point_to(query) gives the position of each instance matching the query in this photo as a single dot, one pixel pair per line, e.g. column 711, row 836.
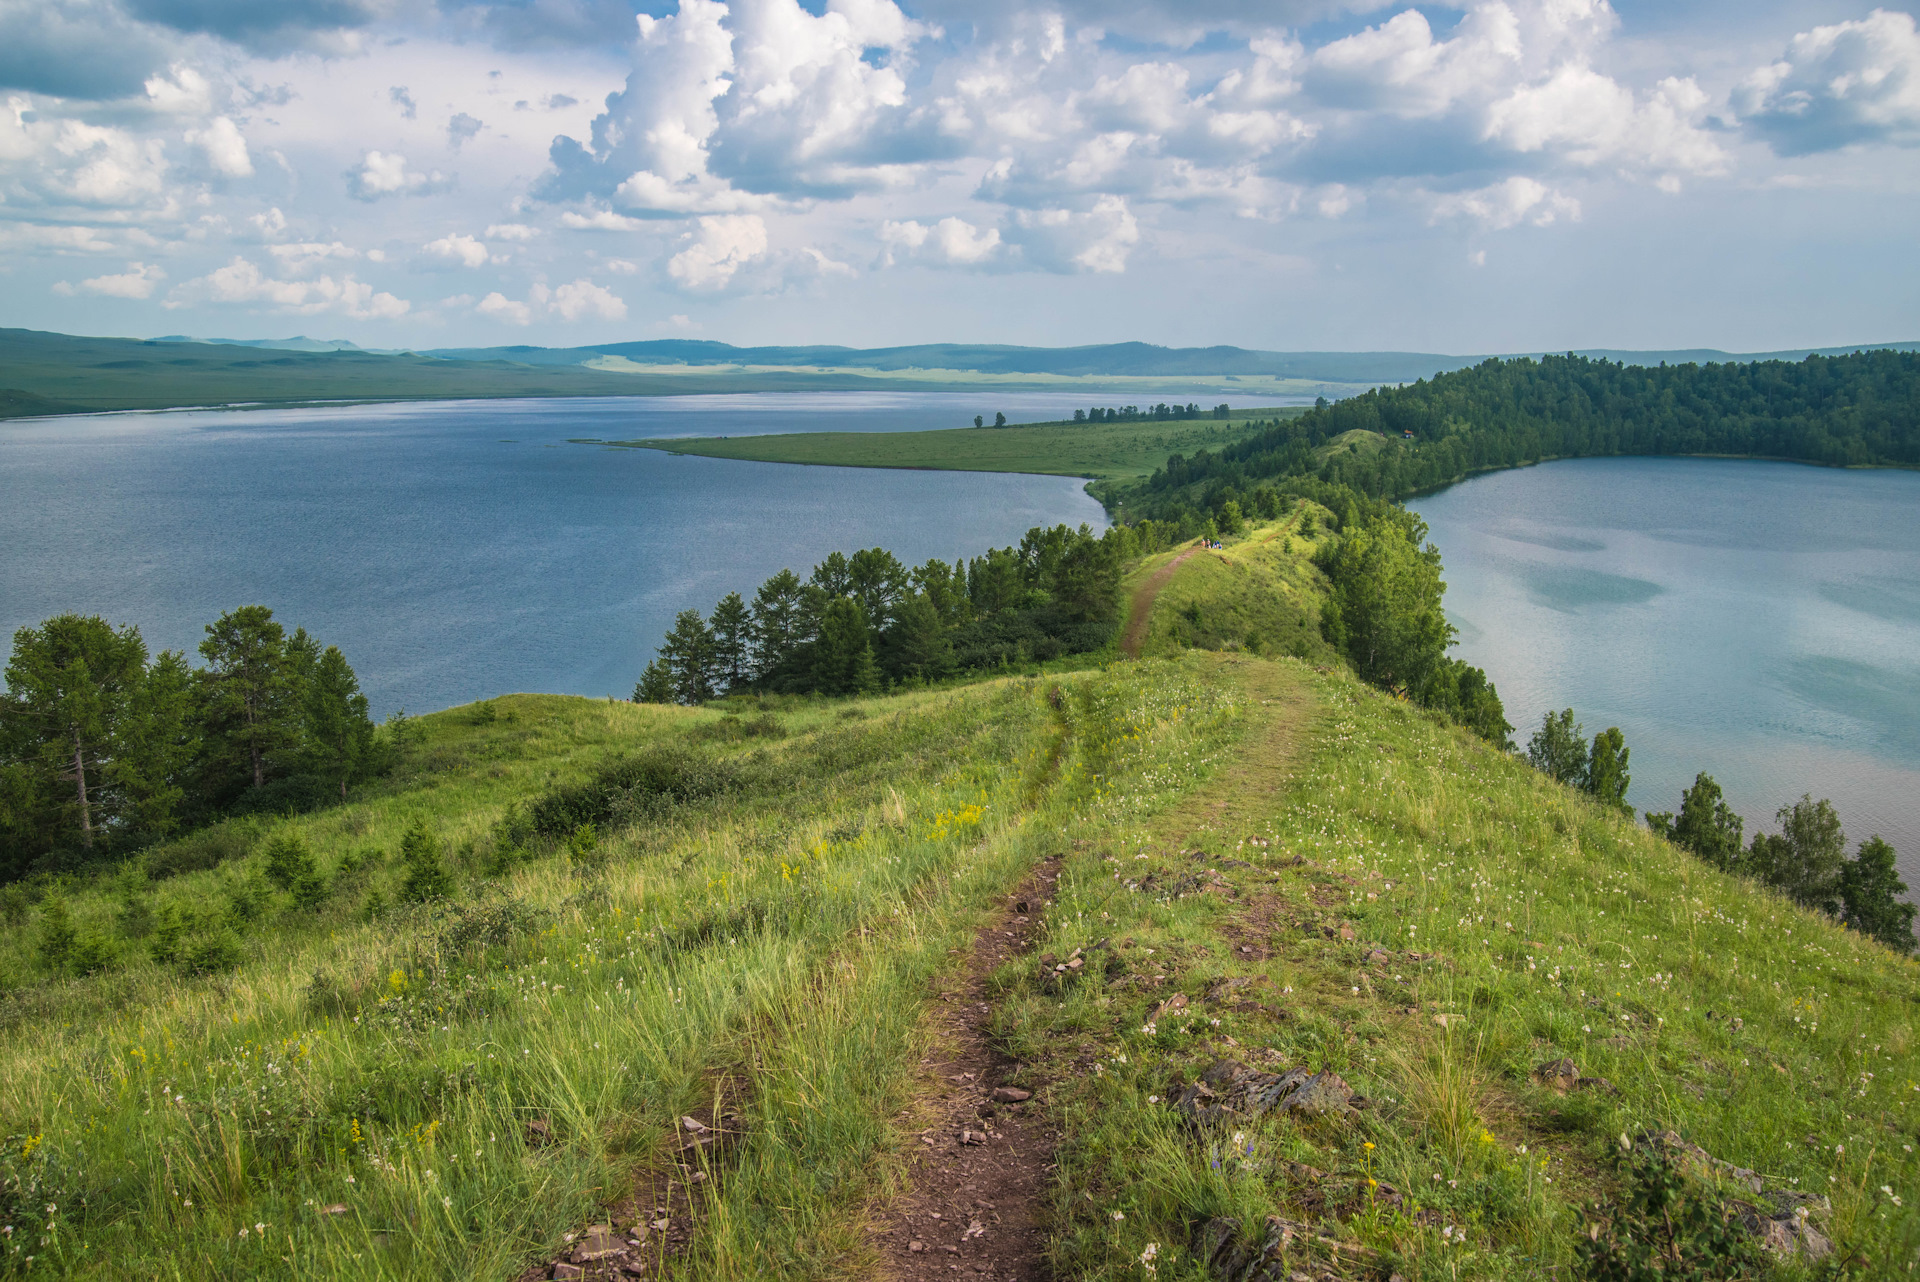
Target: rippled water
column 1759, row 621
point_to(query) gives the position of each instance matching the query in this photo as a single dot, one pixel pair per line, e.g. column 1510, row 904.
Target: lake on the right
column 1756, row 621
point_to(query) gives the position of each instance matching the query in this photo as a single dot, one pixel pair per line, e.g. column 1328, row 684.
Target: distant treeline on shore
column 1858, row 410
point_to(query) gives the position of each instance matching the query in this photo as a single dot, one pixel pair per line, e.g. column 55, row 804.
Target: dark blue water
column 1758, row 621
column 455, row 551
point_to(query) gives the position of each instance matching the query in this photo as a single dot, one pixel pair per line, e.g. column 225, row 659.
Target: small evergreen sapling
column 427, row 874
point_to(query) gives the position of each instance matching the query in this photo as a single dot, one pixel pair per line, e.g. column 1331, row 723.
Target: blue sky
column 1296, row 174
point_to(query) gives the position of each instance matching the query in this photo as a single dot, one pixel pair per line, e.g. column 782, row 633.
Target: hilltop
column 965, row 974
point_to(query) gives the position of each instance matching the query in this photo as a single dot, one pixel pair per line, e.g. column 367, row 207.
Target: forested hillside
column 1855, row 410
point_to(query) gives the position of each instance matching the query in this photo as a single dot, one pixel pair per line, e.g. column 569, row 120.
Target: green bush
column 427, row 874
column 208, row 848
column 631, row 788
column 1665, row 1227
column 214, row 952
column 57, row 933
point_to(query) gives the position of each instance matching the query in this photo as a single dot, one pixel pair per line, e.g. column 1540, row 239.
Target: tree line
column 1156, row 413
column 859, row 623
column 1806, row 860
column 106, row 748
column 1861, row 409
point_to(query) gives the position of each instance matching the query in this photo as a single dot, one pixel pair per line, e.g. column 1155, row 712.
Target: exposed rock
column 1010, row 1095
column 597, row 1243
column 1696, row 1161
column 693, row 1126
column 564, row 1270
column 1792, row 1224
column 1280, row 1255
column 1172, row 1006
column 972, row 1137
column 338, row 1208
column 1558, row 1075
column 1232, row 1091
column 634, row 1268
column 1596, row 1084
column 539, row 1132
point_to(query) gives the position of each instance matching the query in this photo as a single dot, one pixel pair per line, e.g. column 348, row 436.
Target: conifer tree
column 688, row 655
column 340, row 744
column 251, row 685
column 655, row 685
column 427, row 875
column 732, row 630
column 777, row 627
column 1706, row 825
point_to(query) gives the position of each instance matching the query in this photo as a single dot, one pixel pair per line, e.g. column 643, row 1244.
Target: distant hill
column 1132, row 360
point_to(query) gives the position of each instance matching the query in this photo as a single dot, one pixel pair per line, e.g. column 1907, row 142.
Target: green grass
column 781, row 944
column 1551, row 926
column 784, row 940
column 1105, row 451
column 1260, row 593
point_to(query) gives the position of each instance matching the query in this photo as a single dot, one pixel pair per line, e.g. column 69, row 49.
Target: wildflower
column 1119, row 1215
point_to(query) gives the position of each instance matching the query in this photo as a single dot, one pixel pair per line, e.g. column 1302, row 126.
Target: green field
column 1103, row 451
column 1260, row 860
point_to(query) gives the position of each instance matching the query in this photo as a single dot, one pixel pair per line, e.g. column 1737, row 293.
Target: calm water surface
column 455, row 551
column 1758, row 621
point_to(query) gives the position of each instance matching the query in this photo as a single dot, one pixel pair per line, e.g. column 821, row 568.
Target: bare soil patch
column 1141, row 615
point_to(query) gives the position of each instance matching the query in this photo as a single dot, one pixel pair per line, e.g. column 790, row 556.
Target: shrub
column 631, row 788
column 427, row 874
column 197, row 852
column 1665, row 1227
column 167, row 943
column 57, row 933
column 92, row 953
column 214, row 952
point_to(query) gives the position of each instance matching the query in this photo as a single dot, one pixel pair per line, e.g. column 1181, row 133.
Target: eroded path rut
column 1141, row 615
column 975, row 1206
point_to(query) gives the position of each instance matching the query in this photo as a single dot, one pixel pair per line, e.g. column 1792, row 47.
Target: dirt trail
column 979, row 1182
column 1135, row 634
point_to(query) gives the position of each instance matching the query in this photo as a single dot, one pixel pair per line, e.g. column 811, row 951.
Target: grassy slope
column 1260, row 593
column 1102, row 450
column 785, row 942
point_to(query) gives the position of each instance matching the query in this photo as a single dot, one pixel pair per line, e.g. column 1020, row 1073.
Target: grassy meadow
column 1263, row 860
column 1104, row 451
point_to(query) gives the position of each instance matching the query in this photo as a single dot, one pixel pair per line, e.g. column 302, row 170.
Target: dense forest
column 859, row 623
column 106, row 748
column 1861, row 409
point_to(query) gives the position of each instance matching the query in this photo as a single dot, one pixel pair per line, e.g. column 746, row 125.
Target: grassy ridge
column 1516, row 922
column 1108, row 451
column 1259, row 593
column 783, row 938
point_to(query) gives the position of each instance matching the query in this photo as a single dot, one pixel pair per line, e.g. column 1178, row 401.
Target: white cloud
column 1061, row 240
column 460, row 249
column 720, row 247
column 951, row 242
column 225, row 147
column 269, row 224
column 1852, row 82
column 307, row 255
column 600, row 220
column 181, row 91
column 382, row 174
column 138, row 281
column 512, row 231
column 498, row 306
column 581, row 299
column 241, row 281
column 1508, row 204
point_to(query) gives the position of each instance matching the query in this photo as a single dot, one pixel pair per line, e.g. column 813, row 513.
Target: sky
column 1507, row 175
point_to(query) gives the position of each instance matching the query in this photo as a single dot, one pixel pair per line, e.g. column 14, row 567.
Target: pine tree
column 732, row 630
column 917, row 646
column 250, row 680
column 843, row 660
column 688, row 655
column 339, row 736
column 72, row 688
column 777, row 630
column 1870, row 890
column 655, row 685
column 427, row 875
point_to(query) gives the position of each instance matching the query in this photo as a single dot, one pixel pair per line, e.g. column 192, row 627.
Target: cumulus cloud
column 279, row 27
column 1508, row 204
column 50, row 162
column 458, row 249
column 732, row 106
column 1062, row 240
column 719, row 247
column 951, row 242
column 381, row 174
column 1852, row 82
column 512, row 231
column 137, row 282
column 577, row 300
column 306, row 255
column 241, row 281
column 224, row 147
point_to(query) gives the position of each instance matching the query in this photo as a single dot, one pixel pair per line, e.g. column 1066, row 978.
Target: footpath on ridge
column 1134, row 635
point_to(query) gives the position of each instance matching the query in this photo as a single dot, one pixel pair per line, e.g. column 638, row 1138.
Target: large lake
column 459, row 550
column 1758, row 621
